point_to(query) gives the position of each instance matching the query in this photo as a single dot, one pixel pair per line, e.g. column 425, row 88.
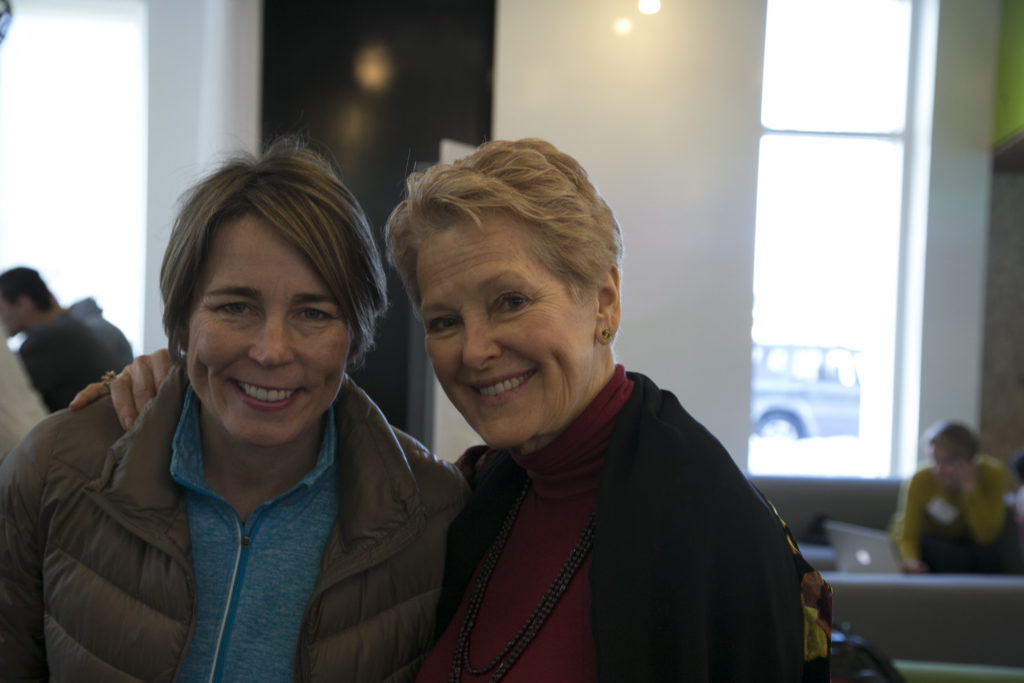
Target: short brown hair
column 576, row 234
column 297, row 192
column 956, row 438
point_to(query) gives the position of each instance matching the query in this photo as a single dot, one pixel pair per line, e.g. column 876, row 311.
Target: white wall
column 666, row 120
column 958, row 203
column 204, row 103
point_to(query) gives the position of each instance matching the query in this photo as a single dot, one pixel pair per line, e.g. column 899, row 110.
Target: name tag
column 942, row 510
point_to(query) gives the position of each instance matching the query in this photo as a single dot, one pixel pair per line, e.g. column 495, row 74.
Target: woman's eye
column 235, row 307
column 315, row 314
column 440, row 324
column 512, row 302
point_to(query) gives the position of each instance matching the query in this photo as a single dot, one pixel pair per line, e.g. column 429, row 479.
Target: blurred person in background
column 953, row 510
column 61, row 353
column 90, row 313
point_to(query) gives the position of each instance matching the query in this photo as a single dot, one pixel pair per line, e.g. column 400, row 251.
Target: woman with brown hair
column 260, row 520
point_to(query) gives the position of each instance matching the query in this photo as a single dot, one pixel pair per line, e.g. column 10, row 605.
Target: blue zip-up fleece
column 253, row 578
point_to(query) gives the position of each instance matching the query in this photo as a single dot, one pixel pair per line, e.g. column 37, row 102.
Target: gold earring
column 606, row 334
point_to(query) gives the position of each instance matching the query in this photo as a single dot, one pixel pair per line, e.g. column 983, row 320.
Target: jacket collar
column 380, row 507
column 379, row 499
column 135, row 486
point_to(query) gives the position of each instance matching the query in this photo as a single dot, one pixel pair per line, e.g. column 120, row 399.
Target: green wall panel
column 1010, row 88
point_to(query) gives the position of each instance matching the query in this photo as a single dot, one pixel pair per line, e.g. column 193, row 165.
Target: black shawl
column 694, row 577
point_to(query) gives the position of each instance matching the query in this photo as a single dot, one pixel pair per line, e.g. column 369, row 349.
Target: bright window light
column 72, row 151
column 828, row 212
column 828, row 229
column 836, row 65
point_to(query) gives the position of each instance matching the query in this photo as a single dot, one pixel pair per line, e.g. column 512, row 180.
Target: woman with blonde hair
column 609, row 536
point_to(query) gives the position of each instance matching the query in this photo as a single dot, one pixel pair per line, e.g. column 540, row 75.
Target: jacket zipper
column 243, row 541
column 227, row 605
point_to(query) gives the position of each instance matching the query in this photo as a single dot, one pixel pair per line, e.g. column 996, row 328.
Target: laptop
column 862, row 549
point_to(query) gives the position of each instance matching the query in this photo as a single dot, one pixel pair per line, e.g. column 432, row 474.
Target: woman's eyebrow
column 313, row 298
column 247, row 292
column 253, row 293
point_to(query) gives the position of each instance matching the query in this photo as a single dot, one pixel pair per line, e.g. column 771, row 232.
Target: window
column 828, row 227
column 72, row 151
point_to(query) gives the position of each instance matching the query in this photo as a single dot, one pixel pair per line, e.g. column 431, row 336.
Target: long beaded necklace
column 504, row 660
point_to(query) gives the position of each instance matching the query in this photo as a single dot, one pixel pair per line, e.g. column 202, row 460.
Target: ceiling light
column 648, row 6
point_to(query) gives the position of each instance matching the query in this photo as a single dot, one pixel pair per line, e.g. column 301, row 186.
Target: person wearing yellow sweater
column 952, row 511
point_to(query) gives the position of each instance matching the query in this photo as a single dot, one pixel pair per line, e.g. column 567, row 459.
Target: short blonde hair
column 576, row 235
column 297, row 192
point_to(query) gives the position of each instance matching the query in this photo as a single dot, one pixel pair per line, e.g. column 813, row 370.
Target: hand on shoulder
column 131, row 389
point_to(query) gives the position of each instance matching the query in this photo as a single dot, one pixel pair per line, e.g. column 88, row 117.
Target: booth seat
column 933, row 624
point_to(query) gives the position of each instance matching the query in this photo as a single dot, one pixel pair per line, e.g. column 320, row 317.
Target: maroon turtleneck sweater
column 565, row 475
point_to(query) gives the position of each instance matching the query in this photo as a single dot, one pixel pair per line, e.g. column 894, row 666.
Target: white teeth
column 268, row 395
column 504, row 385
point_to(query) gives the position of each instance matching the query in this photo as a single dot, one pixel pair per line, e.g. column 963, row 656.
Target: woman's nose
column 273, row 344
column 479, row 345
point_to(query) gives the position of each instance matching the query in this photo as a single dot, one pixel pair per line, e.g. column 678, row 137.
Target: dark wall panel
column 379, row 84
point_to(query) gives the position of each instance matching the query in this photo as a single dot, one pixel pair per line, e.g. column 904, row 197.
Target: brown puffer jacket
column 96, row 579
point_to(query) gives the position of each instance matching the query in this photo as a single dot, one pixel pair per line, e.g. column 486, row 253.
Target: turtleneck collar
column 571, row 464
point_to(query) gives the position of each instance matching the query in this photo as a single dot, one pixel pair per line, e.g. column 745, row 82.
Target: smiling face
column 266, row 342
column 516, row 353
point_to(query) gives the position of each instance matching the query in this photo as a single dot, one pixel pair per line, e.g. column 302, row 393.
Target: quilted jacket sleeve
column 22, row 651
